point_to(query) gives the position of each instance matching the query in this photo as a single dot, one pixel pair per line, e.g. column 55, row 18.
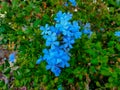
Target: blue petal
column 58, row 61
column 73, row 2
column 60, row 87
column 47, row 43
column 66, row 4
column 39, row 60
column 48, row 67
column 56, row 70
column 12, row 57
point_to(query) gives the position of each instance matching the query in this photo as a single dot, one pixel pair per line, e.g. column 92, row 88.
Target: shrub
column 94, row 59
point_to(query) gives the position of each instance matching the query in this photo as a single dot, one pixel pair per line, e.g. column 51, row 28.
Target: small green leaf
column 94, row 61
column 36, row 23
column 98, row 84
column 7, row 70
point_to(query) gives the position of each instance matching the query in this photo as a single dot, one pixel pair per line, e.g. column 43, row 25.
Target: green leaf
column 110, row 79
column 15, row 4
column 18, row 74
column 105, row 71
column 36, row 23
column 2, row 83
column 118, row 46
column 7, row 70
column 70, row 80
column 94, row 61
column 98, row 84
column 80, row 76
column 111, row 43
column 17, row 83
column 92, row 69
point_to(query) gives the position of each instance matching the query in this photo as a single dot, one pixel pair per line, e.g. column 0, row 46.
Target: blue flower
column 75, row 30
column 68, row 42
column 76, row 27
column 45, row 29
column 117, row 33
column 66, row 4
column 73, row 2
column 87, row 30
column 67, row 16
column 51, row 40
column 12, row 57
column 87, row 25
column 54, row 69
column 54, row 30
column 59, row 16
column 77, row 35
column 46, row 54
column 62, row 17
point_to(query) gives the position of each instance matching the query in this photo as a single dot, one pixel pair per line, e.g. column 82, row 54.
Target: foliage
column 94, row 61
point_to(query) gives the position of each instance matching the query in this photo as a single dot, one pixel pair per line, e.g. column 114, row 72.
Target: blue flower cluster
column 59, row 40
column 117, row 33
column 73, row 2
